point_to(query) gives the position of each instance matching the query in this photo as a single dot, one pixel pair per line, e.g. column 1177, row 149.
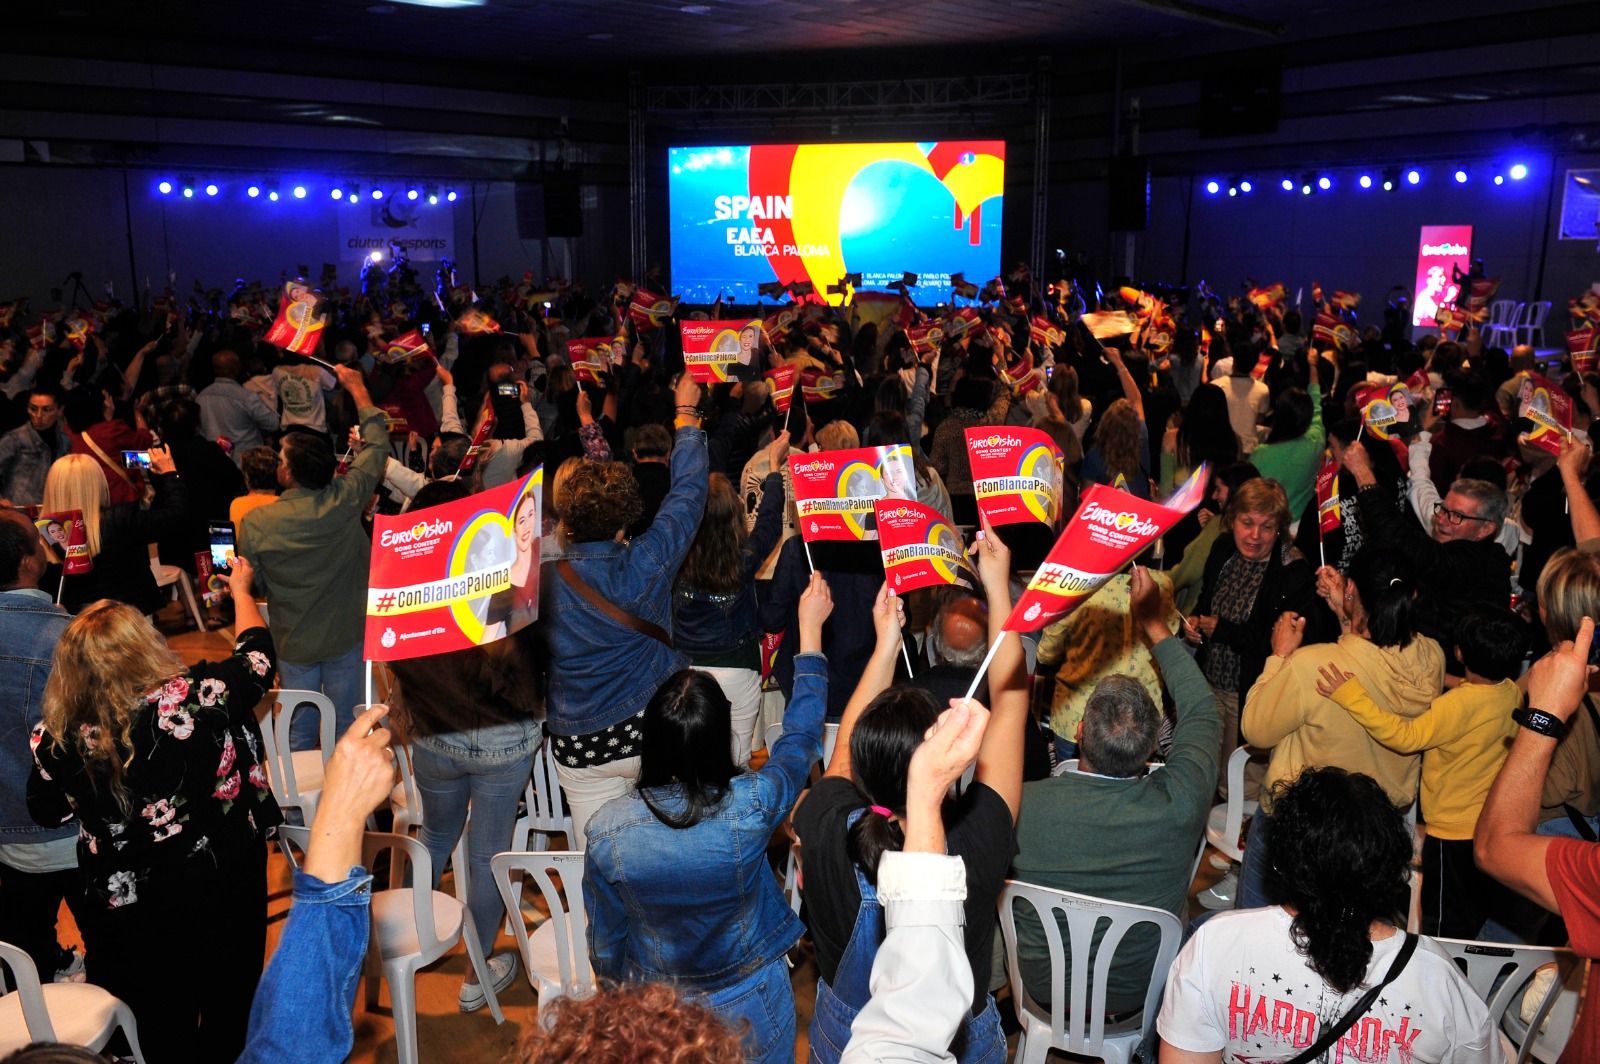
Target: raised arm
column 1505, row 844
column 1130, row 388
column 888, row 620
column 366, row 472
column 800, row 745
column 1000, row 758
column 1574, row 461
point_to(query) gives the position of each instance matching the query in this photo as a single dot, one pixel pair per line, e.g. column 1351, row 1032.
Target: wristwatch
column 1537, row 720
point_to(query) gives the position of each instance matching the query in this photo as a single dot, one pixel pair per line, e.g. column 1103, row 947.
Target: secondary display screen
column 745, row 215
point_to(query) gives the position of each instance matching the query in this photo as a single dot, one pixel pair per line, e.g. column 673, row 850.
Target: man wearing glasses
column 1460, row 564
column 27, row 450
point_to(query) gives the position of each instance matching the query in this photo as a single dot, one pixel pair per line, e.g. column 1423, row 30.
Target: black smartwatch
column 1537, row 720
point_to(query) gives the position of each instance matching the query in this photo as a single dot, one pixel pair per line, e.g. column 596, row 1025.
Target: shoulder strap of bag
column 1359, row 1009
column 107, row 462
column 569, row 575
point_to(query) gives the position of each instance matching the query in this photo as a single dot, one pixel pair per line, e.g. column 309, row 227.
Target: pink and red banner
column 1109, row 530
column 590, row 358
column 457, row 575
column 298, row 326
column 818, row 387
column 717, row 351
column 403, row 348
column 1441, row 249
column 782, row 380
column 1542, row 402
column 834, row 491
column 920, row 548
column 68, row 537
column 1329, row 516
column 1016, row 474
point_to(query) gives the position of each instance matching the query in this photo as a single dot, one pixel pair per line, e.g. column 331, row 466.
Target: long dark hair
column 1205, row 434
column 1338, row 856
column 715, row 559
column 1387, row 591
column 1291, row 416
column 888, row 732
column 688, row 741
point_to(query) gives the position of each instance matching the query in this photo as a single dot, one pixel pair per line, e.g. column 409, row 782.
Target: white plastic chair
column 1498, row 330
column 1530, row 325
column 296, row 776
column 1499, row 974
column 78, row 1014
column 546, row 809
column 1555, row 1014
column 1226, row 820
column 1085, row 1030
column 411, row 928
column 791, row 868
column 556, row 954
column 174, row 577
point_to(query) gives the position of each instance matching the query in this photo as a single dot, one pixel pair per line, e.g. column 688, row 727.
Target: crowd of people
column 1419, row 659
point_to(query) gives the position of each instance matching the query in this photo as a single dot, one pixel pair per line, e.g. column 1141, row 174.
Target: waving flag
column 1016, row 474
column 920, row 548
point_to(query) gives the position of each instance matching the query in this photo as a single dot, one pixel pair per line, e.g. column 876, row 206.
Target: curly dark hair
column 599, row 500
column 1337, row 856
column 636, row 1023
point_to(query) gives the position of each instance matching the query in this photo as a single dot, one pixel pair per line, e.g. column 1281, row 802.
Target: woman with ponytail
column 1375, row 604
column 856, row 814
column 1338, row 860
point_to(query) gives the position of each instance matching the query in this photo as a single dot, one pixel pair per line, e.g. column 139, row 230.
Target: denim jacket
column 699, row 906
column 25, row 458
column 600, row 672
column 30, row 624
column 307, row 995
column 705, row 623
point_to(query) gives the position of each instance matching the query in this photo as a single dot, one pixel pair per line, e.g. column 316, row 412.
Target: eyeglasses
column 1454, row 517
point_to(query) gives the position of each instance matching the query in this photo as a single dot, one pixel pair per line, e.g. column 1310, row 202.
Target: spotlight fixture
column 1305, row 190
column 272, row 191
column 211, row 188
column 187, row 184
column 164, row 187
column 253, row 191
column 376, row 256
column 1461, row 176
column 355, row 194
column 1233, row 190
column 1212, row 187
column 299, row 192
column 1288, row 184
column 1391, row 178
column 1324, row 182
column 432, row 193
column 1413, row 177
column 336, row 192
column 1365, row 180
column 1245, row 186
column 1307, row 183
column 450, row 196
column 1518, row 171
column 412, row 194
column 1499, row 179
column 377, row 193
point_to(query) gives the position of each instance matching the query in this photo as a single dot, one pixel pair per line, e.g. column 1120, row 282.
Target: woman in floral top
column 161, row 766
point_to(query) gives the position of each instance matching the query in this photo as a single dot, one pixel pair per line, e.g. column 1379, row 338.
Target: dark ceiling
column 702, row 41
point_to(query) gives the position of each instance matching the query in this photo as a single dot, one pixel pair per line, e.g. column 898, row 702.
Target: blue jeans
column 488, row 768
column 1252, row 892
column 765, row 1002
column 340, row 678
column 1560, row 827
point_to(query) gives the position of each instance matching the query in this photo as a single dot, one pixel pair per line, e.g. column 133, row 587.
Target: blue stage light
column 1461, row 177
column 336, row 192
column 1245, row 186
column 299, row 192
column 253, row 191
column 1518, row 171
column 1288, row 184
column 212, row 189
column 412, row 194
column 1413, row 177
column 1212, row 187
column 1499, row 179
column 451, row 195
column 164, row 187
column 377, row 193
column 1365, row 181
column 1324, row 183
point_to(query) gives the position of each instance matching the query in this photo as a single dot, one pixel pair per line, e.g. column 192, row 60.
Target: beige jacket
column 1284, row 712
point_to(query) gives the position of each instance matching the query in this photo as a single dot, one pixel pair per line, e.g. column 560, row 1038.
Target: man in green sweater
column 1112, row 829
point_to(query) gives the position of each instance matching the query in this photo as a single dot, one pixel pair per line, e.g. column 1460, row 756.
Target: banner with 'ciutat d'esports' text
column 457, row 575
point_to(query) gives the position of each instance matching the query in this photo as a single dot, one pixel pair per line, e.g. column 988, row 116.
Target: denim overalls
column 979, row 1041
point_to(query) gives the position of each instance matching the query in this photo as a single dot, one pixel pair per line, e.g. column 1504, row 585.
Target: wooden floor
column 443, row 1032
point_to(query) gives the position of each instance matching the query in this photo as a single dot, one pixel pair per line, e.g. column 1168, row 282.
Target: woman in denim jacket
column 676, row 881
column 602, row 668
column 714, row 614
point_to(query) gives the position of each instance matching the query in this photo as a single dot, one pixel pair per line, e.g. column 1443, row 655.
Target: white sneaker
column 502, row 969
column 1220, row 862
column 1221, row 894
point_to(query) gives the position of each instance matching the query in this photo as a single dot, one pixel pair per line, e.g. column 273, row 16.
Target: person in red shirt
column 1561, row 874
column 96, row 431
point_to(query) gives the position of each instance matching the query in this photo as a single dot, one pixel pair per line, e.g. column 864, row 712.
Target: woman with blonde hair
column 714, row 613
column 1567, row 592
column 119, row 535
column 160, row 764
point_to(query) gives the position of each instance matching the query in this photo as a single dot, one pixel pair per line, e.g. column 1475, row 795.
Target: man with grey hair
column 956, row 642
column 1112, row 828
column 1460, row 565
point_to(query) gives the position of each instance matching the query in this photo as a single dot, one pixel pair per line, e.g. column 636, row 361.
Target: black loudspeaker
column 552, row 207
column 1245, row 98
column 563, row 207
column 1129, row 203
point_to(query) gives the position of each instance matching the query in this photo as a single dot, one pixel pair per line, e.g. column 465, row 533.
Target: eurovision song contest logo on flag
column 1109, row 529
column 919, row 547
column 718, row 351
column 834, row 491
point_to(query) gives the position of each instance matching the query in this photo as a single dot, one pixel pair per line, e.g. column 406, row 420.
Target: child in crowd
column 1463, row 736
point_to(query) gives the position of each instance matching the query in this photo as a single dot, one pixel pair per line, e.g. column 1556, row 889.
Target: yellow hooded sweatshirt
column 1284, row 712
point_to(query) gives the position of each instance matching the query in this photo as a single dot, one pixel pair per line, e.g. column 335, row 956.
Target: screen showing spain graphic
column 746, row 215
column 1440, row 249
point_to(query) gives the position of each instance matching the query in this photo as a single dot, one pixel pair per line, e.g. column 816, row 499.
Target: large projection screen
column 748, row 214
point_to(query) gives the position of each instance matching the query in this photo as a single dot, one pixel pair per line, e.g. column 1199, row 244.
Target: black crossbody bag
column 1359, row 1009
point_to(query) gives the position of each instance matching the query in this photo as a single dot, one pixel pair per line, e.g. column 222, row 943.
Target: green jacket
column 311, row 555
column 1130, row 840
